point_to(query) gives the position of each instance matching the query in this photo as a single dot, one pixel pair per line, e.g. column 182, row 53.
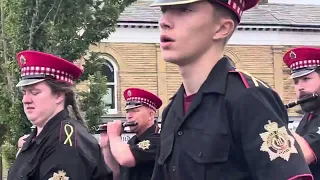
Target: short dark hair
column 222, row 11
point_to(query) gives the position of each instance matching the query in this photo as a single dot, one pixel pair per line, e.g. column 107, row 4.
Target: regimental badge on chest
column 144, row 144
column 277, row 142
column 61, row 175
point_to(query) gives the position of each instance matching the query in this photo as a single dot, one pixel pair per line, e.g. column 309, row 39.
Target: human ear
column 224, row 29
column 60, row 97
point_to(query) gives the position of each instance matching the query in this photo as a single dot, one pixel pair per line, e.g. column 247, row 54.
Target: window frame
column 114, row 83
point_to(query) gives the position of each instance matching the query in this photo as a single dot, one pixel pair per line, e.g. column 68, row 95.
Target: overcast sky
column 316, row 2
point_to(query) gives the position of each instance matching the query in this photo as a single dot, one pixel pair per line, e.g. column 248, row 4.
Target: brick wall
column 141, row 65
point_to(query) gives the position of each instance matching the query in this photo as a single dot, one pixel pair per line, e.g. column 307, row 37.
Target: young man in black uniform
column 137, row 157
column 60, row 147
column 222, row 124
column 304, row 63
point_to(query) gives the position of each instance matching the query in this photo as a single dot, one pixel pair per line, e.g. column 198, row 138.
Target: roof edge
column 241, row 27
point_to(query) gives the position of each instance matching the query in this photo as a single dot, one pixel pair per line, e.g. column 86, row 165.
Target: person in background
column 133, row 160
column 304, row 63
column 60, row 147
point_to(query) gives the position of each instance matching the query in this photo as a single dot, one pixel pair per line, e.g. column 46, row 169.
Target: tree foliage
column 91, row 103
column 65, row 28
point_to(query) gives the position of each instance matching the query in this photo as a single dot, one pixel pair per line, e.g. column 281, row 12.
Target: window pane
column 108, row 71
column 109, row 97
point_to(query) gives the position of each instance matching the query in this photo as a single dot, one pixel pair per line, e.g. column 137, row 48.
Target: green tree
column 91, row 102
column 62, row 27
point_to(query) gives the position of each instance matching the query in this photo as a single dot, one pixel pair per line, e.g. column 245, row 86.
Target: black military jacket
column 309, row 129
column 230, row 132
column 63, row 150
column 144, row 149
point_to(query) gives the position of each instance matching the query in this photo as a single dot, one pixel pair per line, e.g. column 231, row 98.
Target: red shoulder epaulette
column 248, row 79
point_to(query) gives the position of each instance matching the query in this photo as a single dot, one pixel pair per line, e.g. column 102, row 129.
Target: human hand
column 104, row 139
column 114, row 128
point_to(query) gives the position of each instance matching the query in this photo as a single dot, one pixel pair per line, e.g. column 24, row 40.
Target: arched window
column 110, row 70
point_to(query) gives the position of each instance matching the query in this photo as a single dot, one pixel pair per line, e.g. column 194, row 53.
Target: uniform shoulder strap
column 248, row 79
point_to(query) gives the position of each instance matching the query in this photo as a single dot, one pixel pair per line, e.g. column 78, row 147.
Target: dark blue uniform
column 63, row 150
column 234, row 129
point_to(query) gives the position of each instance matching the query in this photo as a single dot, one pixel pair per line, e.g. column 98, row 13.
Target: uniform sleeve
column 146, row 150
column 65, row 162
column 102, row 170
column 269, row 147
column 313, row 139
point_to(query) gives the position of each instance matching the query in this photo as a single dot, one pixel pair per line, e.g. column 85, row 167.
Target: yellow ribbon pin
column 68, row 133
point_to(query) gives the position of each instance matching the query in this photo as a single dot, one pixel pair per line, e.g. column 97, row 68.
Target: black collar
column 217, row 79
column 314, row 114
column 51, row 124
column 149, row 131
